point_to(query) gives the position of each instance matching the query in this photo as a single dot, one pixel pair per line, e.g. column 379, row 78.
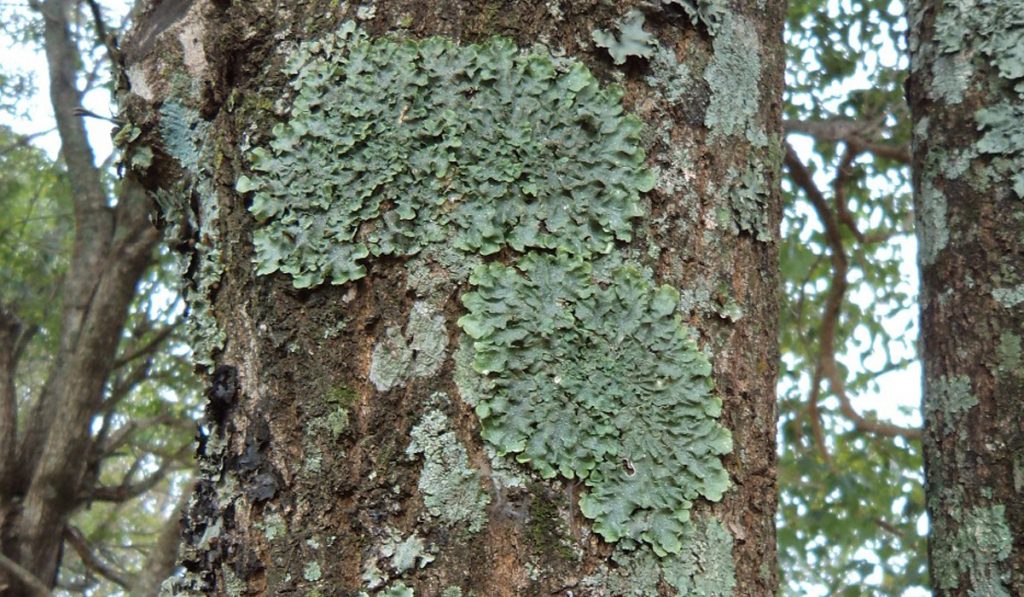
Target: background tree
column 967, row 95
column 95, row 408
column 341, row 450
column 851, row 496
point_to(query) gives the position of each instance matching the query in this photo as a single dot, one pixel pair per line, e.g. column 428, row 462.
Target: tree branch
column 33, row 584
column 827, row 368
column 92, row 560
column 858, row 134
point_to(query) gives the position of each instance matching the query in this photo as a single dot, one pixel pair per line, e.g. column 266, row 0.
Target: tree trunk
column 966, row 92
column 481, row 316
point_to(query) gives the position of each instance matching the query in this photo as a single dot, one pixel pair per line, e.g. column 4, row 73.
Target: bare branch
column 827, row 367
column 126, row 491
column 91, row 559
column 150, row 347
column 858, row 134
column 33, row 584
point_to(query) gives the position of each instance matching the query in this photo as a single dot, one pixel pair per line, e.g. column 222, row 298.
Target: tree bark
column 342, row 450
column 966, row 90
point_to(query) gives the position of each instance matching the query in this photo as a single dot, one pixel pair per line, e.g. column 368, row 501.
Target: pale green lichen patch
column 185, row 137
column 1010, row 296
column 749, row 196
column 708, row 12
column 405, row 554
column 992, row 30
column 449, row 485
column 933, row 232
column 951, row 74
column 392, row 144
column 949, row 400
column 601, row 383
column 734, row 76
column 630, row 40
column 1003, row 125
column 418, row 352
column 1009, row 353
column 311, row 572
column 703, row 567
column 671, row 78
column 982, row 542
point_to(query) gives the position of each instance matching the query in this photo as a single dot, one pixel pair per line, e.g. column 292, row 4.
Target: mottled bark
column 966, row 93
column 336, row 443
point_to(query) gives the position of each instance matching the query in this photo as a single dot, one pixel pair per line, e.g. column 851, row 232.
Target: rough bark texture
column 338, row 455
column 966, row 92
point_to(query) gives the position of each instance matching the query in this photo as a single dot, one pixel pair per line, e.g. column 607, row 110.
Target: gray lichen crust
column 601, row 383
column 391, row 144
column 450, row 486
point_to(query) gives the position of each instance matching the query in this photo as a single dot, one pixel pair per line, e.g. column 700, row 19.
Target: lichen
column 671, row 78
column 185, row 137
column 749, row 196
column 418, row 352
column 392, row 144
column 1009, row 296
column 991, row 30
column 600, row 383
column 950, row 77
column 632, row 39
column 949, row 399
column 703, row 567
column 1009, row 353
column 1003, row 125
column 734, row 76
column 981, row 543
column 311, row 572
column 405, row 554
column 708, row 12
column 933, row 232
column 450, row 486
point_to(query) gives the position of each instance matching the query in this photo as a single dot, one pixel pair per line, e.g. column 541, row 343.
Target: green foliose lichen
column 749, row 195
column 392, row 144
column 601, row 383
column 185, row 138
column 734, row 76
column 632, row 39
column 708, row 12
column 976, row 552
column 405, row 554
column 1003, row 126
column 994, row 31
column 450, row 486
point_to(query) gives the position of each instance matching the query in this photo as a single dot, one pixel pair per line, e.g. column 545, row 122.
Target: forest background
column 851, row 517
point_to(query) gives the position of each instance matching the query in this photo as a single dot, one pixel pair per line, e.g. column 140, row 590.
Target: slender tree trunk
column 113, row 246
column 967, row 97
column 479, row 320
